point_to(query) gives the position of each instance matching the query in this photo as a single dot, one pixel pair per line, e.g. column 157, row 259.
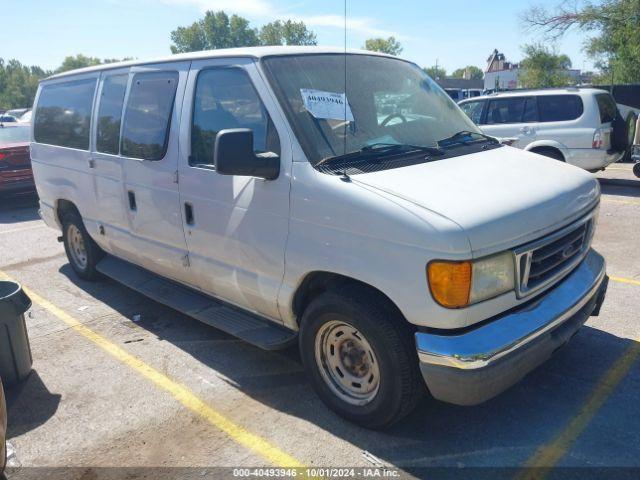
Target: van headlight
column 459, row 284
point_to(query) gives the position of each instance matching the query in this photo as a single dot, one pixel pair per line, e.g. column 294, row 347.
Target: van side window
column 63, row 114
column 505, row 110
column 225, row 98
column 559, row 108
column 147, row 118
column 110, row 113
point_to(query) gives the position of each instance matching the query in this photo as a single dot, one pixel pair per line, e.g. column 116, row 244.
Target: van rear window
column 63, row 114
column 147, row 118
column 607, row 106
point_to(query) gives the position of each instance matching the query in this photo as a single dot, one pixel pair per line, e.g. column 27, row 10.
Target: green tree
column 18, row 84
column 384, row 45
column 615, row 27
column 72, row 62
column 287, row 33
column 218, row 30
column 473, row 72
column 215, row 30
column 435, row 72
column 543, row 67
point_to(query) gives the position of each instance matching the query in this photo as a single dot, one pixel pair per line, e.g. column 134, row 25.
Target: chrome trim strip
column 522, row 277
column 484, row 345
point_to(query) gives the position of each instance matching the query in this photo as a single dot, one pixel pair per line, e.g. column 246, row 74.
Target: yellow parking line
column 625, row 280
column 619, row 168
column 547, row 456
column 181, row 393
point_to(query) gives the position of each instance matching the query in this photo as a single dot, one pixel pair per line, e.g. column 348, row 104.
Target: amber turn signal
column 450, row 283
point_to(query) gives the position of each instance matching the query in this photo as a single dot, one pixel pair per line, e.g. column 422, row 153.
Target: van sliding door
column 149, row 153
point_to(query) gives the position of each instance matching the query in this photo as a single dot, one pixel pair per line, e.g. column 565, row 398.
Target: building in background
column 500, row 74
column 503, row 75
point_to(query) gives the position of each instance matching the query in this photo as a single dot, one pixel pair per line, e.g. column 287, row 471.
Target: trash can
column 15, row 352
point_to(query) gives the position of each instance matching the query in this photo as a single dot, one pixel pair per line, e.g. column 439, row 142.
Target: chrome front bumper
column 471, row 367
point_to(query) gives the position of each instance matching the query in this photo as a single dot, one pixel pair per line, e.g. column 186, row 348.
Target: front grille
column 545, row 261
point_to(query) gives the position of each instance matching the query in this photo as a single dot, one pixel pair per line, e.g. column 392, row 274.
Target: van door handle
column 526, row 130
column 132, row 201
column 188, row 214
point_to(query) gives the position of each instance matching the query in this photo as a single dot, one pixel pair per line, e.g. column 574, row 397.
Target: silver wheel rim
column 76, row 247
column 347, row 362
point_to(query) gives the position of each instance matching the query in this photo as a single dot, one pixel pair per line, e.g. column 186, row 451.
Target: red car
column 15, row 163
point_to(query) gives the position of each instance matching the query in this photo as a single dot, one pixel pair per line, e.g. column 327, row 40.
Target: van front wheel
column 83, row 253
column 360, row 357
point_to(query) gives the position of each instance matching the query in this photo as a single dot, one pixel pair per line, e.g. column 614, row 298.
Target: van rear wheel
column 83, row 253
column 360, row 356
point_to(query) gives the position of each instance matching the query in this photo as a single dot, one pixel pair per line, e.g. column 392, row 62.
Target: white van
column 575, row 125
column 251, row 190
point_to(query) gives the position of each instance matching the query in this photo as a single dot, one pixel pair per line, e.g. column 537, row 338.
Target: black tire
column 86, row 270
column 550, row 152
column 636, row 170
column 400, row 385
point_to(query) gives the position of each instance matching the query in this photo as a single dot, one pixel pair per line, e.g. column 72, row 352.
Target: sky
column 452, row 33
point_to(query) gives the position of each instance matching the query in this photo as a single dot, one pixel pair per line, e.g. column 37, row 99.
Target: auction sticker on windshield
column 326, row 105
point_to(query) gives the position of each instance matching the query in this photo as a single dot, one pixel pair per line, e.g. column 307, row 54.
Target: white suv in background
column 579, row 126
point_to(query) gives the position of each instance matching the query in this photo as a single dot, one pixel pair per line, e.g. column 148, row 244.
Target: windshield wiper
column 381, row 150
column 457, row 138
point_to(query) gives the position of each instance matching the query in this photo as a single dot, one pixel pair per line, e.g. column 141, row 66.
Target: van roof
column 540, row 92
column 252, row 52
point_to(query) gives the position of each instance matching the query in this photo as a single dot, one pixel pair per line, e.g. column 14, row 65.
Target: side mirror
column 233, row 155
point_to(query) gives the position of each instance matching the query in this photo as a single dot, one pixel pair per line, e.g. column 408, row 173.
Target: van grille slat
column 557, row 246
column 547, row 260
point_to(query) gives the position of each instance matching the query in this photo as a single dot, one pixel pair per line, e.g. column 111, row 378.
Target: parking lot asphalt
column 167, row 391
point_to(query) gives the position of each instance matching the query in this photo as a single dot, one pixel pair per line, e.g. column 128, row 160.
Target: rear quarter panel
column 63, row 173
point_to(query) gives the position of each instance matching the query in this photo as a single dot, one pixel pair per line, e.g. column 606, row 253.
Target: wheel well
column 64, row 206
column 316, row 283
column 554, row 150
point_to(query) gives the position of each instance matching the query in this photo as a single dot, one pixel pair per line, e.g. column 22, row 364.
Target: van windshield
column 386, row 102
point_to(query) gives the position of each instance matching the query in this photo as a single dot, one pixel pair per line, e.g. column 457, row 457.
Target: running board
column 246, row 326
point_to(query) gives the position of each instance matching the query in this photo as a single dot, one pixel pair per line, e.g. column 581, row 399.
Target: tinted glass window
column 225, row 98
column 607, row 106
column 110, row 113
column 505, row 110
column 530, row 111
column 147, row 118
column 558, row 108
column 473, row 111
column 63, row 114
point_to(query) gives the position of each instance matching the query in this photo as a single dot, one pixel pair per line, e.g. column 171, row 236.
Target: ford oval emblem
column 568, row 251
